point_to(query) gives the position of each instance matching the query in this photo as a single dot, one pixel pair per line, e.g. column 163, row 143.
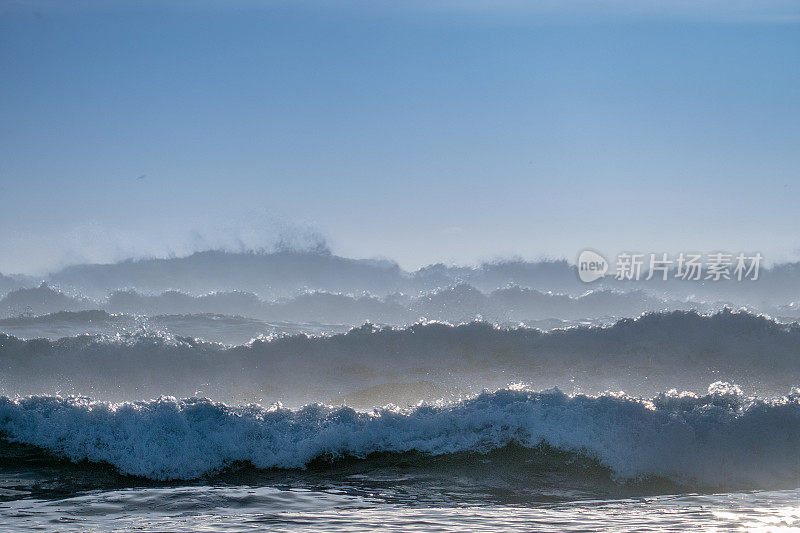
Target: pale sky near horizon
column 416, row 131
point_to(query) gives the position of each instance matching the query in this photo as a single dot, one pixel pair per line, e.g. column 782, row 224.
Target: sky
column 416, row 131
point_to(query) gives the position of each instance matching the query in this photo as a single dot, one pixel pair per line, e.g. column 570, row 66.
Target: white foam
column 722, row 438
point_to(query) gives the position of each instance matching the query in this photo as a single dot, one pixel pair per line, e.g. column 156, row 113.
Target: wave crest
column 719, row 439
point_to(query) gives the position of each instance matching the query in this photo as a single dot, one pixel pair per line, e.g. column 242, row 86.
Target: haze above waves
column 186, row 326
column 284, row 273
column 99, row 362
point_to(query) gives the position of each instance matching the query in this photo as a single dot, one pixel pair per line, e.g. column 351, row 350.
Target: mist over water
column 370, row 366
column 299, row 327
column 511, row 383
column 350, row 266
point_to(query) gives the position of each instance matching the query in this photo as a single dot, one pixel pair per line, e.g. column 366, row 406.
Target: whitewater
column 715, row 440
column 492, row 405
column 511, row 460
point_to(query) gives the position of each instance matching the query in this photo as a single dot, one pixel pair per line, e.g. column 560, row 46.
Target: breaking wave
column 720, row 439
column 656, row 352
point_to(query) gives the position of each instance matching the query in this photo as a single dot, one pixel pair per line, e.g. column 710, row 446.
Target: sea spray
column 719, row 439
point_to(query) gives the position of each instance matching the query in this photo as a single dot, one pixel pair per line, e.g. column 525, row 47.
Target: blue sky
column 422, row 132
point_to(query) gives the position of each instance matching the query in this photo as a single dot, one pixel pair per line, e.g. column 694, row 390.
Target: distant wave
column 724, row 337
column 226, row 329
column 456, row 304
column 283, row 273
column 654, row 352
column 719, row 439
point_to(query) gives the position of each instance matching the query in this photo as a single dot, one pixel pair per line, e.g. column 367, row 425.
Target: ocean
column 510, row 460
column 205, row 420
column 399, row 265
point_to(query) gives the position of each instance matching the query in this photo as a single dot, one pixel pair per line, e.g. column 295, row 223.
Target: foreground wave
column 719, row 439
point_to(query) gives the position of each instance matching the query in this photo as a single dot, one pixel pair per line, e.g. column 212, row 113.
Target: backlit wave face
column 719, row 439
column 371, row 366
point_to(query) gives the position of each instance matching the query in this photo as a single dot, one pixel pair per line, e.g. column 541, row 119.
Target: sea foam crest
column 722, row 438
